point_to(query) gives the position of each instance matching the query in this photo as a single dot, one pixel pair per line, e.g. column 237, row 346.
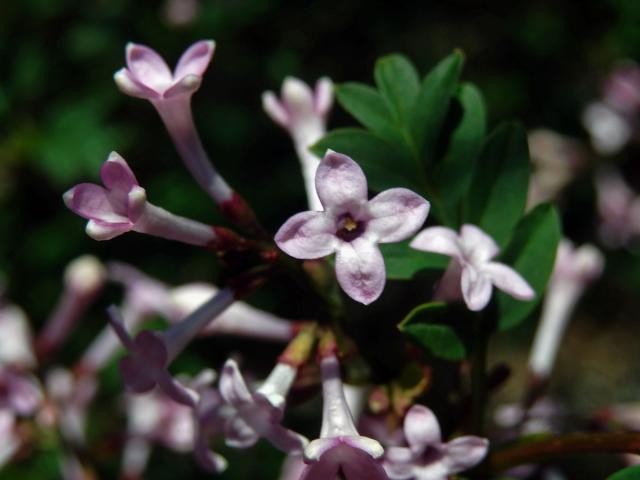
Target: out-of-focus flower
column 471, row 274
column 83, row 279
column 428, row 457
column 618, row 208
column 16, row 346
column 544, row 416
column 20, row 392
column 609, row 130
column 292, row 468
column 622, row 89
column 181, row 13
column 121, row 206
column 340, row 449
column 574, row 270
column 9, row 439
column 150, row 353
column 303, row 113
column 555, row 158
column 352, row 226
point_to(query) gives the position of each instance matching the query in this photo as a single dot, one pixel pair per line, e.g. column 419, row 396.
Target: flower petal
column 185, row 86
column 308, row 235
column 92, row 202
column 360, row 270
column 340, row 181
column 175, row 390
column 321, row 470
column 195, row 59
column 297, row 97
column 323, row 96
column 398, row 463
column 284, row 439
column 149, row 345
column 147, row 67
column 357, row 465
column 476, row 244
column 508, row 280
column 232, row 385
column 239, row 433
column 135, row 377
column 106, row 231
column 274, row 108
column 397, row 214
column 421, row 428
column 464, row 452
column 129, row 85
column 440, row 240
column 117, row 175
column 476, row 288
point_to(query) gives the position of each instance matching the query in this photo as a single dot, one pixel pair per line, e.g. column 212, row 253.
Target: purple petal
column 147, row 67
column 508, row 280
column 397, row 214
column 175, row 390
column 440, row 240
column 151, row 348
column 476, row 288
column 274, row 108
column 284, row 439
column 92, row 202
column 340, row 181
column 360, row 270
column 358, row 465
column 129, row 85
column 195, row 60
column 185, row 86
column 239, row 433
column 233, row 387
column 476, row 243
column 464, row 452
column 421, row 428
column 398, row 463
column 297, row 97
column 135, row 377
column 208, row 459
column 308, row 235
column 323, row 96
column 117, row 176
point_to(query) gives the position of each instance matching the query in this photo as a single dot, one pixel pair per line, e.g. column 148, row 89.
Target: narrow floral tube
column 83, row 278
column 574, row 270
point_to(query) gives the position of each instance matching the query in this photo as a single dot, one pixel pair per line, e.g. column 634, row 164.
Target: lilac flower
column 83, row 278
column 352, row 226
column 428, row 457
column 20, row 392
column 9, row 438
column 303, row 113
column 618, row 208
column 610, row 130
column 340, row 450
column 148, row 76
column 471, row 272
column 621, row 89
column 211, row 416
column 150, row 353
column 16, row 345
column 574, row 270
column 259, row 414
column 121, row 206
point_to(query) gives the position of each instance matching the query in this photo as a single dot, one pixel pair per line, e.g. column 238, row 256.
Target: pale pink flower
column 259, row 414
column 352, row 226
column 575, row 269
column 621, row 89
column 9, row 438
column 618, row 208
column 340, row 452
column 427, row 457
column 609, row 129
column 472, row 271
column 121, row 206
column 16, row 344
column 303, row 113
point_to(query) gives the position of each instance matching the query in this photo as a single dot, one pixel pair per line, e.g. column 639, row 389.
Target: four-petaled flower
column 472, row 270
column 352, row 226
column 148, row 76
column 428, row 457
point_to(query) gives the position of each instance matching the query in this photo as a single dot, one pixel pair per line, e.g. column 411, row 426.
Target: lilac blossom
column 352, row 226
column 121, row 206
column 147, row 76
column 83, row 279
column 303, row 113
column 618, row 208
column 150, row 353
column 340, row 450
column 259, row 414
column 211, row 417
column 9, row 438
column 575, row 269
column 471, row 274
column 16, row 344
column 427, row 457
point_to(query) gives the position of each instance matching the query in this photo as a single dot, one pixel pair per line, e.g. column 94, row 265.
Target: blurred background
column 541, row 62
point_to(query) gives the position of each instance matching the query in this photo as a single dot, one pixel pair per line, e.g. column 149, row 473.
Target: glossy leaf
column 423, row 325
column 398, row 82
column 432, row 102
column 498, row 192
column 532, row 252
column 403, row 262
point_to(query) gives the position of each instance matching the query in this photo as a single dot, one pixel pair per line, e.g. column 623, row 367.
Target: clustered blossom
column 472, row 273
column 351, row 226
column 303, row 113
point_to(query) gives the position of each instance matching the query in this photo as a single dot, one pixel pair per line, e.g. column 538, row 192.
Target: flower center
column 348, row 228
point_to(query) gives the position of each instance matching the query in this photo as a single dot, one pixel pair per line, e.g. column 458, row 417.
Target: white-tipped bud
column 85, row 275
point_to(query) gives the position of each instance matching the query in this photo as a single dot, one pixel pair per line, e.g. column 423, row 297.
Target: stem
column 478, row 376
column 570, row 444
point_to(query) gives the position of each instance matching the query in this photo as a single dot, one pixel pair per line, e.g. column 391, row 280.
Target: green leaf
column 498, row 193
column 432, row 102
column 385, row 165
column 531, row 252
column 403, row 262
column 369, row 108
column 398, row 82
column 629, row 473
column 452, row 175
column 422, row 326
